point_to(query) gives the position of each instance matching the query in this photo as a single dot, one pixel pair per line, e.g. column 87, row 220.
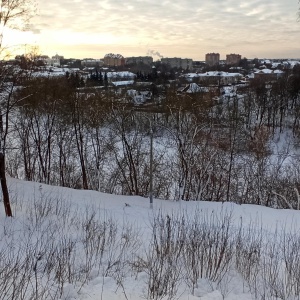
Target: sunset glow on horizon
column 187, row 29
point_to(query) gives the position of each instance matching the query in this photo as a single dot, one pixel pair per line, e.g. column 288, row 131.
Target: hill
column 74, row 244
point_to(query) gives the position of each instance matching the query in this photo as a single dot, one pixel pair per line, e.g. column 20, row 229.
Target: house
column 192, row 88
column 268, row 74
column 139, row 97
column 214, row 77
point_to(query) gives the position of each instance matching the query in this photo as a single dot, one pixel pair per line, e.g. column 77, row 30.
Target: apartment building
column 147, row 60
column 176, row 62
column 233, row 59
column 212, row 59
column 114, row 60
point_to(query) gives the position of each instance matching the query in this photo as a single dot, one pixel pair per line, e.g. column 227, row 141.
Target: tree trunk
column 4, row 187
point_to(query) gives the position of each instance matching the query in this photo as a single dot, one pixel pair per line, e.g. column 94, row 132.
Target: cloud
column 211, row 23
column 32, row 28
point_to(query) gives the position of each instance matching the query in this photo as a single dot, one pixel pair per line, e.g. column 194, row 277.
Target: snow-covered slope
column 71, row 225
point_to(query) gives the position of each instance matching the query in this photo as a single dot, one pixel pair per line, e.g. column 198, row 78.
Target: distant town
column 186, row 64
column 184, row 74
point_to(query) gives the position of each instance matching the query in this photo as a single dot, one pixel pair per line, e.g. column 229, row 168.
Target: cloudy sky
column 181, row 28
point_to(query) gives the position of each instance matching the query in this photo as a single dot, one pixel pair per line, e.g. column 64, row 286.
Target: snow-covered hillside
column 75, row 244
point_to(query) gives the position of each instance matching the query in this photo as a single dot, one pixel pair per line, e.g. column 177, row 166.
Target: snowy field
column 73, row 244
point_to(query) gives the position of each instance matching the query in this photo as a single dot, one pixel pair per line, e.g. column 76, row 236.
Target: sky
column 163, row 28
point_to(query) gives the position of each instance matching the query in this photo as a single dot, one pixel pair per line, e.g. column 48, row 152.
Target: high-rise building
column 115, row 60
column 175, row 62
column 233, row 59
column 212, row 59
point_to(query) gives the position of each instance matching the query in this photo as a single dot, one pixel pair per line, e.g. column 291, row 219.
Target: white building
column 55, row 60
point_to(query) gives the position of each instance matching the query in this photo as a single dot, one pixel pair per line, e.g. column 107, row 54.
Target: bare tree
column 78, row 122
column 13, row 14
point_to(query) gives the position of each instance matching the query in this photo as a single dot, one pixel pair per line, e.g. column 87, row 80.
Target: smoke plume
column 154, row 53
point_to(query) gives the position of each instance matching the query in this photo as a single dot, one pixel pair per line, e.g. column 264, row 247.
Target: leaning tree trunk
column 3, row 134
column 4, row 187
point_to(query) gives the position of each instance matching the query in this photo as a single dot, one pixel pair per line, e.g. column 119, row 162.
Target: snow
column 291, row 63
column 229, row 91
column 269, row 71
column 134, row 212
column 122, row 83
column 139, row 97
column 193, row 88
column 54, row 72
column 212, row 74
column 122, row 74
